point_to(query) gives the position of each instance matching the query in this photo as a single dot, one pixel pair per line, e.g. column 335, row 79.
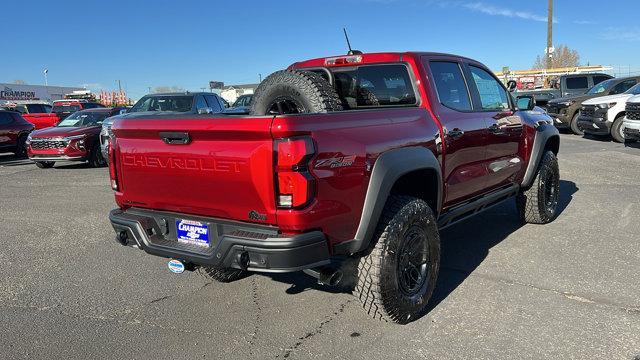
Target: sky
column 187, row 43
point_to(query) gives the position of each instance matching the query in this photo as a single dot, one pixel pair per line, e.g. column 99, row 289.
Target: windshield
column 163, row 103
column 82, row 118
column 602, row 87
column 65, row 108
column 635, row 90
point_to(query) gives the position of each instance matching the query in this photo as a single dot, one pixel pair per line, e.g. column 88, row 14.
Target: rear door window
column 375, row 86
column 450, row 85
column 490, row 91
column 574, row 83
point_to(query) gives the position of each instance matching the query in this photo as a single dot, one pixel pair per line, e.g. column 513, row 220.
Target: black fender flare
column 388, row 168
column 543, row 134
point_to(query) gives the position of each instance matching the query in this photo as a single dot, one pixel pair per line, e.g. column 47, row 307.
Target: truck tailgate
column 224, row 169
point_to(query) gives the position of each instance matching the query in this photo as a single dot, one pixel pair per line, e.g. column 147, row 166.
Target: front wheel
column 396, row 278
column 617, row 129
column 574, row 125
column 539, row 203
column 21, row 147
column 45, row 164
column 95, row 157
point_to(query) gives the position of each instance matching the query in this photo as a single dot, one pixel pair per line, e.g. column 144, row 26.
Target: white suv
column 631, row 124
column 604, row 115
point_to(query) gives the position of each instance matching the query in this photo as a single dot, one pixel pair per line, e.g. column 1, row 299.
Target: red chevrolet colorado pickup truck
column 361, row 157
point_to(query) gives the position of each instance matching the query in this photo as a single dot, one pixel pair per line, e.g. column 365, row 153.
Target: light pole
column 45, row 72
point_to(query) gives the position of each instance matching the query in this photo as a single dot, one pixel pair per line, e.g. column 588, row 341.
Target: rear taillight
column 296, row 185
column 112, row 165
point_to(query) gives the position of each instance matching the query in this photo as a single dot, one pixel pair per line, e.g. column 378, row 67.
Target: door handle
column 175, row 138
column 455, row 133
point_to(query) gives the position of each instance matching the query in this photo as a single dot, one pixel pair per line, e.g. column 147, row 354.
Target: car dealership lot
column 565, row 290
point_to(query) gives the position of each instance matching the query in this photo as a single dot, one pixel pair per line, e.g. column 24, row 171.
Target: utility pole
column 119, row 86
column 149, row 87
column 549, row 34
column 259, row 78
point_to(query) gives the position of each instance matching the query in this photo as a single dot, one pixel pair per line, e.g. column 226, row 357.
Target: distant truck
column 567, row 85
column 604, row 115
column 631, row 124
column 39, row 114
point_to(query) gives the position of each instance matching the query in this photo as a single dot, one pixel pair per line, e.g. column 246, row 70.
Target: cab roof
column 372, row 58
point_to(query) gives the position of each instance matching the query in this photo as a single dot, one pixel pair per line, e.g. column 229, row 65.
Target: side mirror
column 512, row 85
column 123, row 111
column 526, row 102
column 206, row 110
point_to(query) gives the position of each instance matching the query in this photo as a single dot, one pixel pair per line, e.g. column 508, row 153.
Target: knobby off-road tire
column 45, row 164
column 396, row 278
column 573, row 125
column 294, row 92
column 539, row 203
column 617, row 128
column 223, row 275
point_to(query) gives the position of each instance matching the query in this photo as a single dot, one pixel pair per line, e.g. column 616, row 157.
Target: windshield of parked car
column 635, row 90
column 163, row 103
column 601, row 87
column 82, row 118
column 244, row 100
column 65, row 108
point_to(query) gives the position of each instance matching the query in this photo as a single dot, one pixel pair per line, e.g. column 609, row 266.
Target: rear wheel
column 223, row 275
column 574, row 125
column 397, row 277
column 539, row 203
column 617, row 129
column 45, row 164
column 294, row 92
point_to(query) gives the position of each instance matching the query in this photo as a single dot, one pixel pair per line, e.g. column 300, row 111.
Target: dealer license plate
column 192, row 232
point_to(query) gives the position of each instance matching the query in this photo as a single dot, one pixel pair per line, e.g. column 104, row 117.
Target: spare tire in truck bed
column 294, row 92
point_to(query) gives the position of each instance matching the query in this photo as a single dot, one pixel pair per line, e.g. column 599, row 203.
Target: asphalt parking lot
column 567, row 290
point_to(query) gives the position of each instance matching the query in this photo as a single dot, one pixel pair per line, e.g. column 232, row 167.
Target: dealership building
column 18, row 92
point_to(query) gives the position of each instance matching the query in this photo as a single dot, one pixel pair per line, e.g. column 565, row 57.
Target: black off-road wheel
column 396, row 278
column 95, row 157
column 21, row 147
column 617, row 129
column 223, row 275
column 539, row 203
column 294, row 92
column 573, row 125
column 45, row 164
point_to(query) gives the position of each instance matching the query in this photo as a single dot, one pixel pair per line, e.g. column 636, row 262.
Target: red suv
column 64, row 108
column 39, row 114
column 14, row 130
column 73, row 139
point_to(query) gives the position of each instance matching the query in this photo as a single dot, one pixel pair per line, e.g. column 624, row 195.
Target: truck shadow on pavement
column 462, row 251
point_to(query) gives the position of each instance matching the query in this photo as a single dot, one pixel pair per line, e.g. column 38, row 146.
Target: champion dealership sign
column 9, row 94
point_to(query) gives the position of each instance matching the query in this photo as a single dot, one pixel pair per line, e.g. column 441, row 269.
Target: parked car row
column 599, row 111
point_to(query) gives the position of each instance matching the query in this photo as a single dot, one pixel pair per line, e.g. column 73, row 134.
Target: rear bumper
column 268, row 251
column 598, row 126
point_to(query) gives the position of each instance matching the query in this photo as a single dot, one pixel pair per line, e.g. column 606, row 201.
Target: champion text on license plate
column 192, row 232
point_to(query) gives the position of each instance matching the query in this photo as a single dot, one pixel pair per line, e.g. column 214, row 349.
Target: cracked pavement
column 567, row 290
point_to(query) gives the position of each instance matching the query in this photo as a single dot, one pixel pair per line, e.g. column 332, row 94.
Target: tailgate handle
column 175, row 138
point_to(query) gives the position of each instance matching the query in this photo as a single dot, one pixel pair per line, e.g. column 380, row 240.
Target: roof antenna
column 351, row 52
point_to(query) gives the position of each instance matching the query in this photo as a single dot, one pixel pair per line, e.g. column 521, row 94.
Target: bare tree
column 19, row 82
column 166, row 89
column 563, row 56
